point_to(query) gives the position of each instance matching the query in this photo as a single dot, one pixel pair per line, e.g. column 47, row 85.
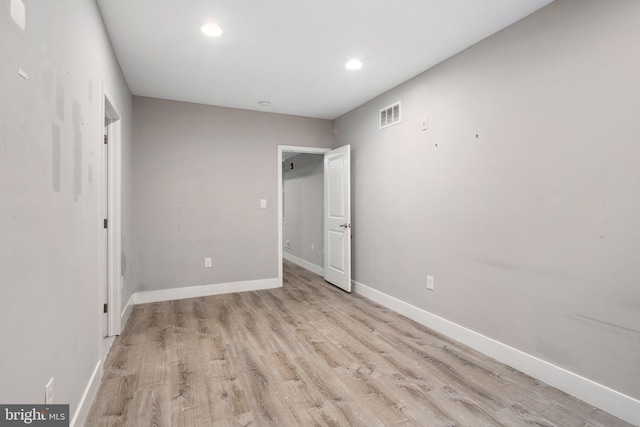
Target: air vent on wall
column 390, row 115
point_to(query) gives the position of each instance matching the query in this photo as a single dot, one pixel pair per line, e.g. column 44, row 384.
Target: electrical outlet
column 430, row 283
column 207, row 262
column 48, row 392
column 287, row 244
column 313, row 247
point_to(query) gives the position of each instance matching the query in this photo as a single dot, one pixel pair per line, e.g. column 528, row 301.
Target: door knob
column 345, row 225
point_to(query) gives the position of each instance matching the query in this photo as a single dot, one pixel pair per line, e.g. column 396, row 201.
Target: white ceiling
column 293, row 52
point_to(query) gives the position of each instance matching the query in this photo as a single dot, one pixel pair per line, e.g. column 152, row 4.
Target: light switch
column 263, row 203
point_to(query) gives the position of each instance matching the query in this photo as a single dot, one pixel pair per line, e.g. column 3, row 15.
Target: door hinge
column 106, row 138
column 104, row 308
column 106, row 223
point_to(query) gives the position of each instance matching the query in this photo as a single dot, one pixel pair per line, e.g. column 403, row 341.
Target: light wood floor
column 309, row 354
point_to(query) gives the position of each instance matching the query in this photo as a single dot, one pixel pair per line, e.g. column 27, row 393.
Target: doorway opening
column 109, row 223
column 285, row 151
column 303, row 209
column 336, row 219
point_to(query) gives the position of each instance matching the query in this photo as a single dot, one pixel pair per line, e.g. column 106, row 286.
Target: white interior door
column 337, row 217
column 104, row 238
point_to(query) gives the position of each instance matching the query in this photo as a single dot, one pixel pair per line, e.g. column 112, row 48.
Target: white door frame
column 109, row 110
column 288, row 149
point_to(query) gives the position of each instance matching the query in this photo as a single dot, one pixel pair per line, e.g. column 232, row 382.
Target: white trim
column 203, row 291
column 126, row 312
column 115, row 220
column 90, row 391
column 288, row 149
column 107, row 343
column 304, row 264
column 603, row 397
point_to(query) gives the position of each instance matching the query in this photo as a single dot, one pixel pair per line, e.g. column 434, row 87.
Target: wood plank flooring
column 309, row 354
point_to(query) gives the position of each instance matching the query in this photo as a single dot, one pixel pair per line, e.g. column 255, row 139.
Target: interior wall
column 50, row 131
column 303, row 224
column 199, row 175
column 520, row 198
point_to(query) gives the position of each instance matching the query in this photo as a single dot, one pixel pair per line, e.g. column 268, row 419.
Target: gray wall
column 199, row 174
column 50, row 130
column 531, row 229
column 303, row 224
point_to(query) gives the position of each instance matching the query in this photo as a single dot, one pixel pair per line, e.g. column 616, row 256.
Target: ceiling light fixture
column 354, row 64
column 212, row 30
column 264, row 103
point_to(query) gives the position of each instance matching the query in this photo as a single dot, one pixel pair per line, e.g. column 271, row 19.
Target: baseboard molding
column 107, row 343
column 126, row 312
column 304, row 264
column 203, row 291
column 90, row 391
column 605, row 398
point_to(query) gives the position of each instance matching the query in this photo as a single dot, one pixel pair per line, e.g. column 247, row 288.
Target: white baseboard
column 107, row 343
column 126, row 312
column 80, row 416
column 203, row 291
column 304, row 264
column 605, row 398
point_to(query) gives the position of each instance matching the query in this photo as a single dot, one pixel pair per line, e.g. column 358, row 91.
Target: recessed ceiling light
column 212, row 30
column 354, row 64
column 264, row 103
